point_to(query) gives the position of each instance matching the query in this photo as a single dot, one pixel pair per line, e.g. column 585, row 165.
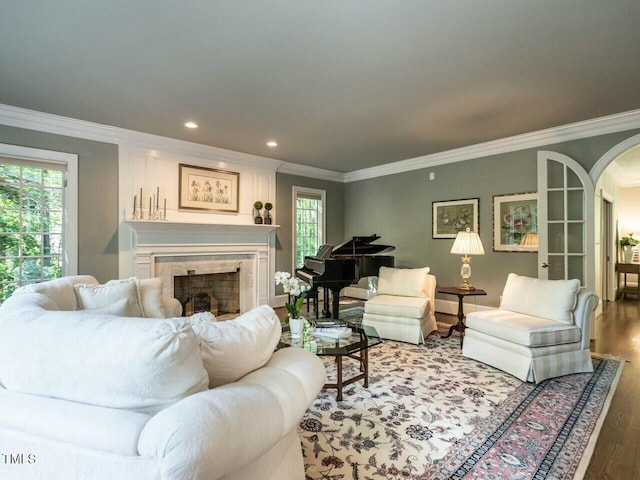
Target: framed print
column 455, row 215
column 515, row 223
column 202, row 188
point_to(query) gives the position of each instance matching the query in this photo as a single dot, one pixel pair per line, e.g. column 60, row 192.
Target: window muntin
column 31, row 223
column 309, row 223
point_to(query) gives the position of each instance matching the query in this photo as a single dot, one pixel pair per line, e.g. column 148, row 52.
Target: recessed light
column 191, row 124
column 272, row 143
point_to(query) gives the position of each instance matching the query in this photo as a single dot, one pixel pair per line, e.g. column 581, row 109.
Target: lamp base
column 466, row 286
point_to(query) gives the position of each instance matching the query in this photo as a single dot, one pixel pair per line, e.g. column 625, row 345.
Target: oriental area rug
column 430, row 413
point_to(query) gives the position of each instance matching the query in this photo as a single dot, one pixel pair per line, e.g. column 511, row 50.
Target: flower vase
column 296, row 326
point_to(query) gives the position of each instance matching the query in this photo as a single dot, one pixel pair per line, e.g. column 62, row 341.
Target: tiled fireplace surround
column 167, row 249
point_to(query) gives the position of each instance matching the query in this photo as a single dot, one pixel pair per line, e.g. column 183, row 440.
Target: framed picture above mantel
column 515, row 223
column 209, row 189
column 453, row 216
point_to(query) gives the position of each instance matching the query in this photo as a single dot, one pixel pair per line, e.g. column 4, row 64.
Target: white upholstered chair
column 403, row 308
column 540, row 330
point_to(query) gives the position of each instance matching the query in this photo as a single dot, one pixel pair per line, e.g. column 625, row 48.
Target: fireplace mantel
column 159, row 226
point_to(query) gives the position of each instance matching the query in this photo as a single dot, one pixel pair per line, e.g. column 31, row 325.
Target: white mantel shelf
column 155, row 225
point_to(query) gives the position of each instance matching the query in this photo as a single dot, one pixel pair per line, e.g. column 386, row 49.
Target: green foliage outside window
column 308, row 216
column 31, row 219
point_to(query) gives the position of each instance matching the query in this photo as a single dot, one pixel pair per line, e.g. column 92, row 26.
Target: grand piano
column 335, row 268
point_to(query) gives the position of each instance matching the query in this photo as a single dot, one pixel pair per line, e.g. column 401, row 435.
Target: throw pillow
column 233, row 348
column 402, row 282
column 100, row 296
column 151, row 297
column 102, row 359
column 551, row 299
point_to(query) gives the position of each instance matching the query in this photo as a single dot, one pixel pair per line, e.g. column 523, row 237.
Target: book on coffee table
column 331, row 332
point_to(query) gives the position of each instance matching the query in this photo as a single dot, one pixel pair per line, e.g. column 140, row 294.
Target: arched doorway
column 606, row 257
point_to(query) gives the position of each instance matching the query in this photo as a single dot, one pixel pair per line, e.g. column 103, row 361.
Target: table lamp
column 467, row 243
column 530, row 239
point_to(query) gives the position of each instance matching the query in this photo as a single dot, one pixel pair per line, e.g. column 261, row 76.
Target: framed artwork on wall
column 515, row 223
column 202, row 188
column 453, row 216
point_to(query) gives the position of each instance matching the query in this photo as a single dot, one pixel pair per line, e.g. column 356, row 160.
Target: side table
column 460, row 326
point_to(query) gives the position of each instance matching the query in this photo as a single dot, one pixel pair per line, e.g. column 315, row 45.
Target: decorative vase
column 296, row 326
column 267, row 219
column 628, row 254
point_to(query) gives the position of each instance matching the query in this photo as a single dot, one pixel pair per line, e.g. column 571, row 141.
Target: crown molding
column 71, row 127
column 313, row 172
column 46, row 122
column 574, row 131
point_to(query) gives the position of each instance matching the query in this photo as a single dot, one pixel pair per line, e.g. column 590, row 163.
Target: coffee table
column 355, row 346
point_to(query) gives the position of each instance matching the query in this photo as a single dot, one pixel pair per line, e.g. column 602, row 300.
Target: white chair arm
column 586, row 303
column 172, row 307
column 210, row 434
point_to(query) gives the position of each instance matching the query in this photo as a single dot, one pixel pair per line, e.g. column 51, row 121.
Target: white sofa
column 89, row 394
column 403, row 308
column 540, row 330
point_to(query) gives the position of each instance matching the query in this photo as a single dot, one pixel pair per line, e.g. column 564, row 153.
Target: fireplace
column 167, row 250
column 218, row 293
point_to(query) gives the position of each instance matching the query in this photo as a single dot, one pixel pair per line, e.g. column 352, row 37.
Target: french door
column 566, row 215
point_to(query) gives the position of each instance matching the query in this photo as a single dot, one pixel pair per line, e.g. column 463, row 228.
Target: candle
column 135, row 201
column 140, row 199
column 149, row 207
column 164, row 215
column 157, row 198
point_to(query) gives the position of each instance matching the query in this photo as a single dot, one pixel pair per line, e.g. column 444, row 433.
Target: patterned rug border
column 593, row 439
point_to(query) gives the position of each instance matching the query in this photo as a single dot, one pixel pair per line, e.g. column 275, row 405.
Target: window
column 309, row 222
column 36, row 230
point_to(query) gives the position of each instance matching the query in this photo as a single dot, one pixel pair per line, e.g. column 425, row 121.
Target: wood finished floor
column 617, row 452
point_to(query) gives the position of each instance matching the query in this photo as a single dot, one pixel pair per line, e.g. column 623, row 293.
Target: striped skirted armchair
column 540, row 330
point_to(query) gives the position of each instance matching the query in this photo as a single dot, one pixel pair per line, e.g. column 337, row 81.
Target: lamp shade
column 530, row 239
column 467, row 243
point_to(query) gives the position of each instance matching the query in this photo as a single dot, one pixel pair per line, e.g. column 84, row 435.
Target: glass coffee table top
column 360, row 338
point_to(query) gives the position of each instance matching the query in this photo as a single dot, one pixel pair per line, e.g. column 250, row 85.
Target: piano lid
column 361, row 245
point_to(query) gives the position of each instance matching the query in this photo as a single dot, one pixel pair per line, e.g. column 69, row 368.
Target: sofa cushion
column 405, row 282
column 92, row 296
column 391, row 305
column 59, row 290
column 151, row 297
column 136, row 364
column 551, row 299
column 233, row 348
column 522, row 329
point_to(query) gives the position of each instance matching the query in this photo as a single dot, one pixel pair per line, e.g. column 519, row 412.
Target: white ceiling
column 340, row 84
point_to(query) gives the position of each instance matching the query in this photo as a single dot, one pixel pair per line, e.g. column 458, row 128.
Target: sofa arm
column 172, row 307
column 211, row 434
column 586, row 303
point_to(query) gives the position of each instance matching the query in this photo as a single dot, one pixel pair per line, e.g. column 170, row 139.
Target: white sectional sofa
column 540, row 330
column 91, row 394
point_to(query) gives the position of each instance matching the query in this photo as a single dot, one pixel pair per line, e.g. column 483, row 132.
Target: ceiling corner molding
column 573, row 131
column 71, row 127
column 313, row 172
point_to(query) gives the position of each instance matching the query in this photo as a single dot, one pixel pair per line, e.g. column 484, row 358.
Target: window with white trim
column 34, row 222
column 309, row 220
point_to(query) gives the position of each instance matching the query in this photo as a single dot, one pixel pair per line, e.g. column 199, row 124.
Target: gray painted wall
column 399, row 209
column 335, row 214
column 97, row 196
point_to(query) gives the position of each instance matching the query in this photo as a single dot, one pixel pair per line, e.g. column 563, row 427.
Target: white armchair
column 540, row 330
column 403, row 308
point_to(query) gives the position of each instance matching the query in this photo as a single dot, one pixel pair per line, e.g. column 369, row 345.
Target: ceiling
column 340, row 84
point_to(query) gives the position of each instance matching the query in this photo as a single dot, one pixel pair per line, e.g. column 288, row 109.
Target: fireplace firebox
column 218, row 293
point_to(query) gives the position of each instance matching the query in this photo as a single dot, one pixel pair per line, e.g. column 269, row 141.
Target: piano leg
column 336, row 302
column 325, row 303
